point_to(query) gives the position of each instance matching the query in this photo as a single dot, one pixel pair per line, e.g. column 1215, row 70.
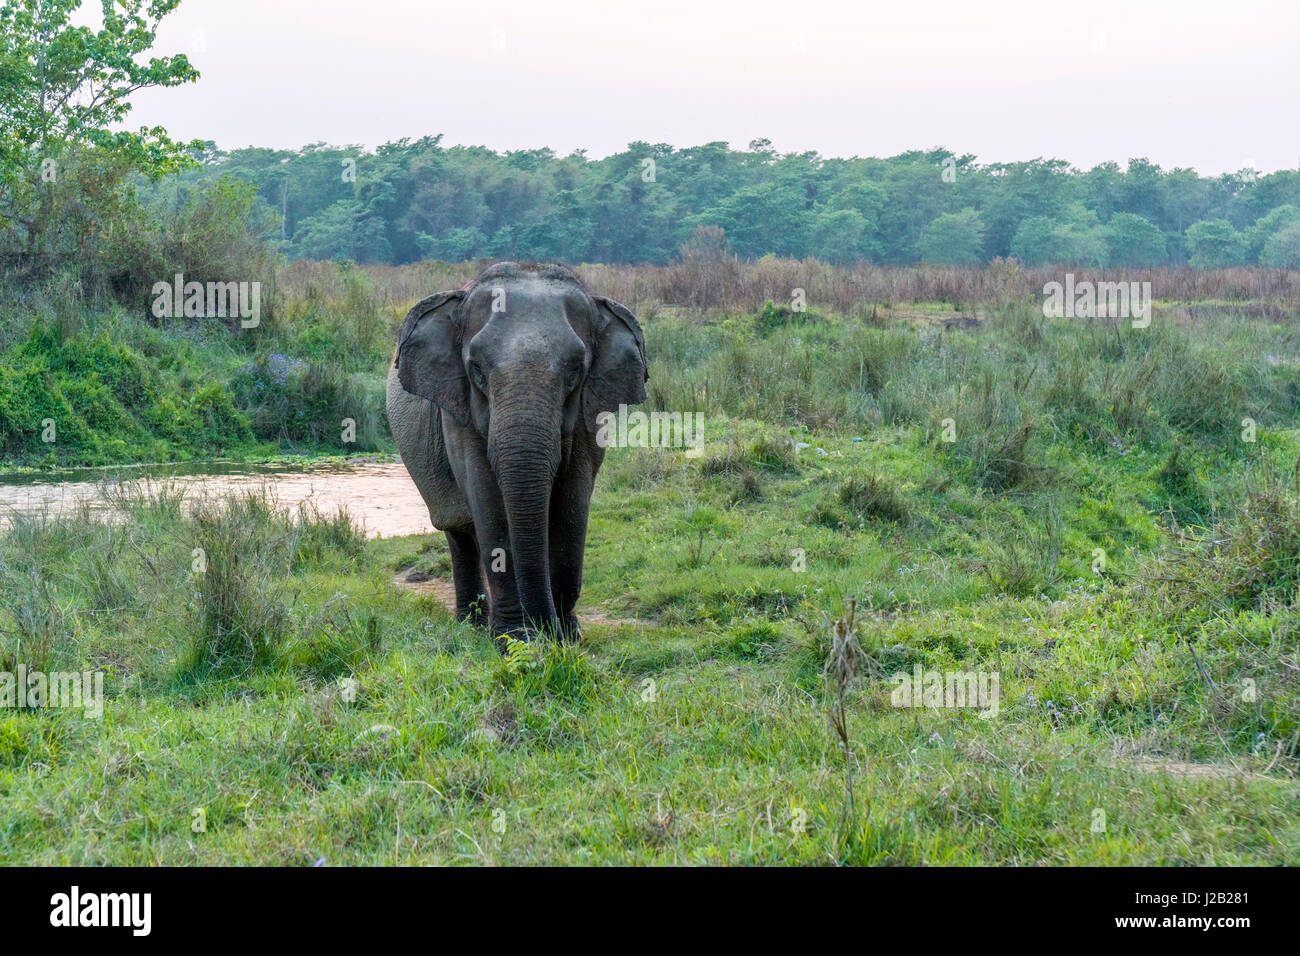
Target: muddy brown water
column 378, row 493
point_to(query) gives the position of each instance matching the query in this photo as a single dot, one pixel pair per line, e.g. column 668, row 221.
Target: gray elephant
column 493, row 398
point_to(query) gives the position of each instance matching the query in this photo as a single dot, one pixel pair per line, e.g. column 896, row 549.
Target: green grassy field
column 291, row 704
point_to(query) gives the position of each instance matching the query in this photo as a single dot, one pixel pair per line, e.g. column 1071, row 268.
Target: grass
column 1069, row 506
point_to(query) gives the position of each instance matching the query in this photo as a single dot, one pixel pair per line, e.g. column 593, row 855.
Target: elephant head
column 524, row 359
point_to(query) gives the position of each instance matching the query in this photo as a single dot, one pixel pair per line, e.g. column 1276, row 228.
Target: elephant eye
column 480, row 380
column 571, row 380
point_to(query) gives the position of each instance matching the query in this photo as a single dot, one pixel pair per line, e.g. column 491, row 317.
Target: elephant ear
column 428, row 360
column 618, row 371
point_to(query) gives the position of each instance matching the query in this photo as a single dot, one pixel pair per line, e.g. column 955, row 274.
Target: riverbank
column 91, row 384
column 160, row 469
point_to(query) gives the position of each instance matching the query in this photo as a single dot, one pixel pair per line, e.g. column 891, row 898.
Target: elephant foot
column 502, row 635
column 570, row 631
column 504, row 632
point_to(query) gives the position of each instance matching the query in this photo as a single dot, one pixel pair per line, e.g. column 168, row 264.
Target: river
column 379, row 494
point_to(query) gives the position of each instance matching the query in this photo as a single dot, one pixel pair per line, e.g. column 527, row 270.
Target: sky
column 1213, row 86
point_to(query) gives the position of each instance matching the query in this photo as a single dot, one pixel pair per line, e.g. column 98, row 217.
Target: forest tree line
column 414, row 200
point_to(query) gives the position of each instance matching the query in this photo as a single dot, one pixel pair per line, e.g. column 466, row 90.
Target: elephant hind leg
column 467, row 575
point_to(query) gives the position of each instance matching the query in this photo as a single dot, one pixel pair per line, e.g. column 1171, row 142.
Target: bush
column 250, row 545
column 765, row 452
column 35, row 631
column 1215, row 244
column 207, row 232
column 303, row 401
column 1183, row 491
column 241, row 609
column 107, row 401
column 1248, row 560
column 873, row 497
column 1255, row 554
column 1282, row 249
column 1024, row 560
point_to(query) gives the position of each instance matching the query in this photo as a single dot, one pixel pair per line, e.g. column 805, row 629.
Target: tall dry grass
column 711, row 281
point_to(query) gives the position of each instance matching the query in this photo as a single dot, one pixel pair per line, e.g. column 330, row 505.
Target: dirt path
column 1181, row 768
column 417, row 582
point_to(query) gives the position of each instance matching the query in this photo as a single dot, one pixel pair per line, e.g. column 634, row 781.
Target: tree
column 1016, row 191
column 761, row 219
column 62, row 88
column 953, row 239
column 1076, row 238
column 1140, row 191
column 915, row 194
column 344, row 231
column 409, row 200
column 1134, row 241
column 1282, row 251
column 839, row 237
column 1033, row 242
column 1258, row 235
column 1214, row 244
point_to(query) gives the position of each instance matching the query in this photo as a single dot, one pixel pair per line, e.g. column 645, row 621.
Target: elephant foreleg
column 570, row 503
column 467, row 574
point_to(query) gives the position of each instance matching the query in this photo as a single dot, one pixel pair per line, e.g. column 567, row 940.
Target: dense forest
column 409, row 201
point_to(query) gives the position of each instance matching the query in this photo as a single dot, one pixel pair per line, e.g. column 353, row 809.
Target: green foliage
column 1282, row 249
column 1024, row 560
column 873, row 497
column 37, row 634
column 345, row 230
column 1078, row 240
column 301, row 401
column 1215, row 244
column 537, row 668
column 108, row 401
column 1134, row 241
column 1267, row 227
column 211, row 231
column 1182, row 490
column 773, row 317
column 758, row 219
column 954, row 239
column 64, row 169
column 418, row 199
column 241, row 608
column 842, row 236
column 1251, row 561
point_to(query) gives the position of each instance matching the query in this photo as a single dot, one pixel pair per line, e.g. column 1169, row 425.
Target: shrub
column 1215, row 244
column 242, row 616
column 1184, row 492
column 303, row 401
column 1024, row 560
column 1255, row 554
column 872, row 497
column 35, row 631
column 766, row 452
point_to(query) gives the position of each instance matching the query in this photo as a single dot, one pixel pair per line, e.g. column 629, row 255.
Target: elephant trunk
column 524, row 448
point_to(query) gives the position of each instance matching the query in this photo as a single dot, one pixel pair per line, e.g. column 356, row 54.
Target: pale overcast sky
column 1190, row 83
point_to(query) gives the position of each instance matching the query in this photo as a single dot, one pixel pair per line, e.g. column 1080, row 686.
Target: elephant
column 493, row 398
